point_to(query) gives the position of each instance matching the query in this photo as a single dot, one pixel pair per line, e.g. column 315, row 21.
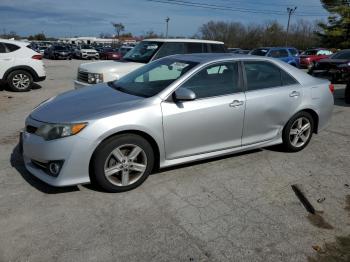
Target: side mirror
column 184, row 94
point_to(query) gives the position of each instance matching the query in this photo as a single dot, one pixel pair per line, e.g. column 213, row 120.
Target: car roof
column 20, row 43
column 204, row 58
column 276, row 47
column 185, row 40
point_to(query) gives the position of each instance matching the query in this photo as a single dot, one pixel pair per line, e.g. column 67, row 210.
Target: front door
column 211, row 122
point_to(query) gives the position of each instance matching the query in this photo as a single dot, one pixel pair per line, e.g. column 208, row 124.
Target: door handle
column 294, row 94
column 5, row 59
column 236, row 103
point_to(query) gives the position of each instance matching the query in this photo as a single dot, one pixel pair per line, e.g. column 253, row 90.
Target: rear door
column 7, row 59
column 272, row 96
column 211, row 122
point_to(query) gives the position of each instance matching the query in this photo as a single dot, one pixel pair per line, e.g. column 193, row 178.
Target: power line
column 229, row 8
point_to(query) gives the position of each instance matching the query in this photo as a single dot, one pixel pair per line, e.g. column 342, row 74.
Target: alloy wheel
column 21, row 81
column 300, row 132
column 125, row 165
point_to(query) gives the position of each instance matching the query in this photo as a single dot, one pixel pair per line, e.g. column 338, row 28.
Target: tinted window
column 2, row 48
column 277, row 53
column 310, row 52
column 293, row 51
column 143, row 52
column 260, row 51
column 262, row 75
column 287, row 79
column 170, row 49
column 11, row 47
column 194, row 48
column 215, row 80
column 215, row 48
column 153, row 77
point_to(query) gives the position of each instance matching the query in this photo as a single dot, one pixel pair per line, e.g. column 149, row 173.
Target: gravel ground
column 236, row 208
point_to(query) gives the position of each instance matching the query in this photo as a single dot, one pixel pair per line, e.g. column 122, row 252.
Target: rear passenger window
column 194, row 48
column 293, row 51
column 261, row 75
column 170, row 49
column 2, row 48
column 215, row 48
column 215, row 80
column 287, row 79
column 278, row 53
column 11, row 47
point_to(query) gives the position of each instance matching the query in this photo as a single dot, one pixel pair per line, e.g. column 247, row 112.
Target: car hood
column 84, row 104
column 117, row 69
column 333, row 61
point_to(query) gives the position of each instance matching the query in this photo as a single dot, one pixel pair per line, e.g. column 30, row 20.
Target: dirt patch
column 318, row 221
column 11, row 139
column 338, row 251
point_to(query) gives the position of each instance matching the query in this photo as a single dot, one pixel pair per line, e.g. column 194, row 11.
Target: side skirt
column 193, row 158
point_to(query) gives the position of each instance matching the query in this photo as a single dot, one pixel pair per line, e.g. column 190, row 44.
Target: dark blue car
column 289, row 55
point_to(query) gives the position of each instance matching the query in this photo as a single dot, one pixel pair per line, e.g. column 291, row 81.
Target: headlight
column 95, row 78
column 55, row 131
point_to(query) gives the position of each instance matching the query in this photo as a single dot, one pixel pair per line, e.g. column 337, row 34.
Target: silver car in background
column 174, row 110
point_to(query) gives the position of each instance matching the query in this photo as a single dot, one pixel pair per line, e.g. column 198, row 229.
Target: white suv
column 143, row 53
column 86, row 52
column 20, row 66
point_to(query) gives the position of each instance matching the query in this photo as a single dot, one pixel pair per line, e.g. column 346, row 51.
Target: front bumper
column 74, row 151
column 78, row 84
column 87, row 56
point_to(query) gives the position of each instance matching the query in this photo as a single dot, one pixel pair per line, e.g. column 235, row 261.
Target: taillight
column 331, row 88
column 37, row 57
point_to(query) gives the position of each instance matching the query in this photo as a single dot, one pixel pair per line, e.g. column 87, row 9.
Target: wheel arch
column 314, row 115
column 143, row 134
column 22, row 67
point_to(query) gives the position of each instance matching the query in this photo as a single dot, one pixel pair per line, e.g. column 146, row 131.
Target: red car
column 310, row 56
column 110, row 54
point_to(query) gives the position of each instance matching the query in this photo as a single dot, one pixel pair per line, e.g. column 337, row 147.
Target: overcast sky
column 91, row 17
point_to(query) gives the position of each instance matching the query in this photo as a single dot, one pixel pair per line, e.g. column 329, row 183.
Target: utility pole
column 167, row 26
column 290, row 12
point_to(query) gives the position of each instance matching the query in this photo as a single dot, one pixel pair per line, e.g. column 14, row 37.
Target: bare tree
column 118, row 27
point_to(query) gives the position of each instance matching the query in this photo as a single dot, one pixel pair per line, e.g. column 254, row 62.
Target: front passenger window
column 215, row 80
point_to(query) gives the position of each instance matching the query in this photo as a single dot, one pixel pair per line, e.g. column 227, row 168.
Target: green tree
column 336, row 31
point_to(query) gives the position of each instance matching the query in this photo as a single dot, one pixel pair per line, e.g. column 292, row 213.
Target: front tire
column 20, row 81
column 298, row 132
column 122, row 163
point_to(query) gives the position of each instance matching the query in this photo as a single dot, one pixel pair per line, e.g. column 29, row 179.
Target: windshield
column 341, row 55
column 152, row 78
column 260, row 52
column 310, row 52
column 60, row 48
column 143, row 52
column 86, row 47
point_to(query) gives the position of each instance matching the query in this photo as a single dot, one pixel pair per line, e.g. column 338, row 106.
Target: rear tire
column 347, row 94
column 122, row 163
column 298, row 132
column 20, row 81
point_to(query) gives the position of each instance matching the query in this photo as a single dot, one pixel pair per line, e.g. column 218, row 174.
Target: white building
column 87, row 40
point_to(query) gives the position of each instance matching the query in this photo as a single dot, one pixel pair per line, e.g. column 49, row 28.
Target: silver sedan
column 174, row 110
